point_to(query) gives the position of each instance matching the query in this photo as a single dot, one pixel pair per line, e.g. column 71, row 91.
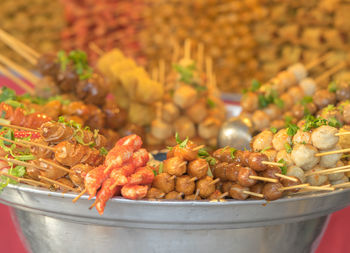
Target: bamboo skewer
column 318, row 61
column 198, row 147
column 273, row 163
column 14, row 142
column 200, row 57
column 330, row 72
column 21, row 163
column 57, row 166
column 342, row 133
column 266, row 179
column 187, row 49
column 294, row 187
column 223, row 195
column 286, row 177
column 16, row 80
column 342, row 185
column 25, row 180
column 172, row 177
column 37, row 145
column 335, row 170
column 96, row 49
column 193, row 179
column 254, row 194
column 333, row 152
column 214, row 181
column 19, row 127
column 93, row 204
column 79, row 196
column 196, row 194
column 320, row 188
column 20, row 70
column 58, row 183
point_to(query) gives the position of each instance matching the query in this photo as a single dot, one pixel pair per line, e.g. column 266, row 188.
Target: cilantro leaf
column 273, row 130
column 288, row 148
column 182, row 144
column 103, row 151
column 306, row 100
column 292, row 129
column 255, row 85
column 186, row 73
column 211, row 103
column 7, row 94
column 232, row 152
column 284, row 167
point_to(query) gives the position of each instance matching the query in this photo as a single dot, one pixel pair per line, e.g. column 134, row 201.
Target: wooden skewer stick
column 259, row 195
column 193, row 179
column 79, row 196
column 93, row 204
column 96, row 49
column 37, row 145
column 58, row 183
column 57, row 166
column 342, row 185
column 19, row 69
column 14, row 142
column 187, row 49
column 200, row 57
column 266, row 179
column 172, row 177
column 198, row 147
column 330, row 72
column 342, row 133
column 286, row 177
column 294, row 187
column 338, row 171
column 215, row 181
column 180, row 194
column 273, row 163
column 25, row 180
column 333, row 152
column 320, row 188
column 16, row 80
column 19, row 127
column 318, row 61
column 22, row 49
column 21, row 163
column 335, row 170
column 196, row 194
column 223, row 195
column 155, row 74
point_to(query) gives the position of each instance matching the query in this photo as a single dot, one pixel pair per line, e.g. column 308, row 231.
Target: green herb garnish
column 288, row 148
column 332, row 87
column 211, row 103
column 284, row 167
column 273, row 130
column 306, row 100
column 264, row 149
column 186, row 73
column 292, row 129
column 160, row 169
column 182, row 144
column 7, row 94
column 103, row 151
column 232, row 152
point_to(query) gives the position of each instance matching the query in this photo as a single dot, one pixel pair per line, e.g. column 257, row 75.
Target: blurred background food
column 246, row 39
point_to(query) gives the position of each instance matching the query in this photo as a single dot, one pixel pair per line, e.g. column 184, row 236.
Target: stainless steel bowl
column 50, row 222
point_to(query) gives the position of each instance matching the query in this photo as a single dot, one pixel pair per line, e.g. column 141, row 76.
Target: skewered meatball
column 344, row 179
column 287, row 99
column 192, row 197
column 224, row 154
column 280, row 139
column 174, row 195
column 287, row 183
column 317, row 179
column 220, row 171
column 298, row 111
column 242, row 157
column 336, row 176
column 33, row 172
column 295, row 171
column 185, row 127
column 304, row 157
column 226, row 186
column 287, row 158
column 170, row 112
column 197, row 112
column 278, row 124
column 302, row 137
column 237, row 192
column 308, row 86
column 271, row 154
column 55, row 132
column 343, row 91
column 174, row 166
column 257, row 188
column 256, row 161
column 161, row 130
column 185, row 184
column 63, row 181
column 262, row 141
column 216, row 195
column 273, row 111
column 187, row 152
column 232, row 171
column 164, row 182
column 155, row 193
column 48, row 65
column 198, row 168
column 185, row 96
column 271, row 172
column 115, row 116
column 40, row 152
column 329, row 161
column 49, row 171
column 78, row 172
column 322, row 98
column 93, row 90
column 209, row 128
column 250, row 102
column 298, row 70
column 243, row 176
column 260, row 120
column 324, row 137
column 271, row 191
column 67, row 79
column 296, row 93
column 205, row 187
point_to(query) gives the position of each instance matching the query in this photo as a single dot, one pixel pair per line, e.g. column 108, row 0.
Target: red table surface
column 334, row 239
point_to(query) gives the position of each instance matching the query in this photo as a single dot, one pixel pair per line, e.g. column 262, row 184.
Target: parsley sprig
column 79, row 61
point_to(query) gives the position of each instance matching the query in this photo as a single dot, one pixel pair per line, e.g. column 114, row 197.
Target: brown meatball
column 185, row 184
column 271, row 172
column 33, row 172
column 174, row 166
column 49, row 171
column 48, row 65
column 242, row 157
column 220, row 171
column 93, row 90
column 216, row 195
column 343, row 91
column 115, row 116
column 298, row 111
column 67, row 79
column 174, row 195
column 78, row 172
column 186, row 152
column 243, row 176
column 63, row 181
column 130, row 129
column 224, row 155
column 257, row 188
column 198, row 168
column 226, row 186
column 96, row 119
column 41, row 152
column 255, row 161
column 287, row 183
column 232, row 171
column 192, row 197
column 271, row 191
column 155, row 193
column 205, row 187
column 164, row 182
column 322, row 98
column 237, row 192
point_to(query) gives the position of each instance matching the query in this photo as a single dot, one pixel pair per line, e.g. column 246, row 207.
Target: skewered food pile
column 132, row 87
